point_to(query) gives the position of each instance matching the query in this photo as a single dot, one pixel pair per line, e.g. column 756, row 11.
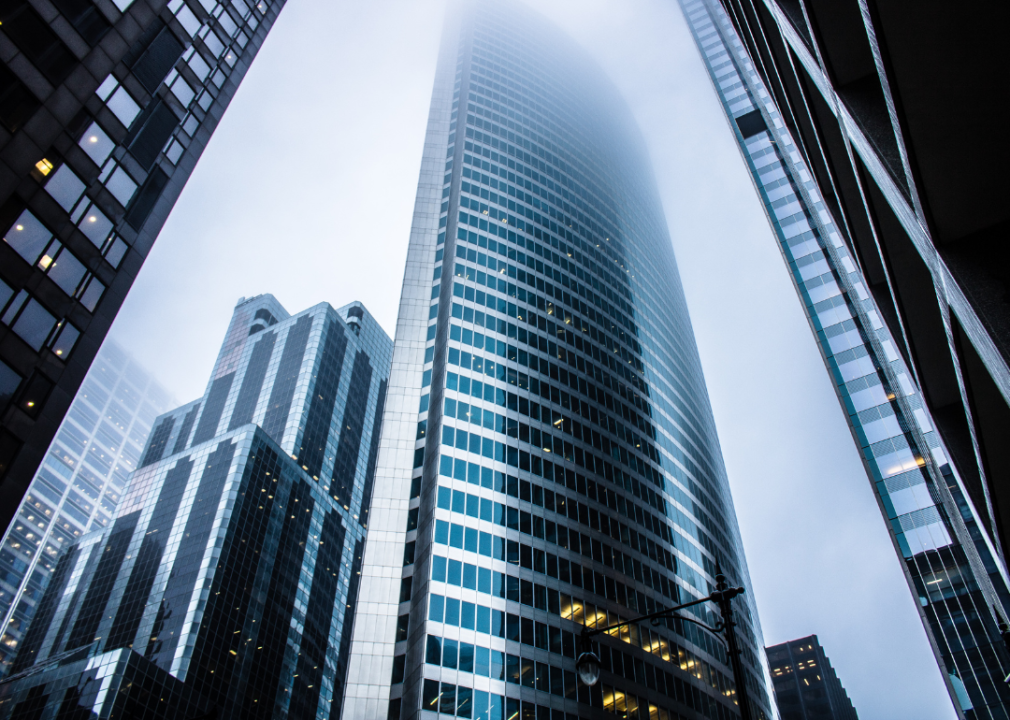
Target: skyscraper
column 806, row 686
column 226, row 581
column 105, row 109
column 891, row 107
column 951, row 559
column 79, row 484
column 548, row 456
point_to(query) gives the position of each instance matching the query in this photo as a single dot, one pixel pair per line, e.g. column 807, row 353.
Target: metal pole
column 725, row 599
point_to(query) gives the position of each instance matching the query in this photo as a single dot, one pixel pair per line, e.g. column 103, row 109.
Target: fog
column 306, row 191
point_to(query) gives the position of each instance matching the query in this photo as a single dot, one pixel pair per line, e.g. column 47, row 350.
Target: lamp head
column 588, row 668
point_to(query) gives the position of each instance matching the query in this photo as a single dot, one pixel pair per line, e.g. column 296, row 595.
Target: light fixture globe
column 588, row 667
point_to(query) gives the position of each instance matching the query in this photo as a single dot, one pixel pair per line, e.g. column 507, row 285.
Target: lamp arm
column 666, row 612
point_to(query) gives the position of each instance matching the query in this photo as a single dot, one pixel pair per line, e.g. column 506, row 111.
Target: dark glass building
column 105, row 108
column 226, row 580
column 892, row 108
column 935, row 516
column 79, row 484
column 550, row 460
column 806, row 686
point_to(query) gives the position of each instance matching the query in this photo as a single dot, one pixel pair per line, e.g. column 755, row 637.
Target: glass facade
column 229, row 572
column 949, row 560
column 106, row 110
column 552, row 460
column 79, row 484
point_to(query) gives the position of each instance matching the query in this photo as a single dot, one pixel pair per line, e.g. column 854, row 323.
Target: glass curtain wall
column 79, row 484
column 566, row 467
column 949, row 562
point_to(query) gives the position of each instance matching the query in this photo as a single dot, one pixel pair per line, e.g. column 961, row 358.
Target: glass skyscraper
column 891, row 106
column 226, row 580
column 950, row 559
column 79, row 484
column 105, row 109
column 549, row 458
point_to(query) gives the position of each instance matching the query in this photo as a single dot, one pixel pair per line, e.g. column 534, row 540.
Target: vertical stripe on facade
column 212, row 409
column 308, row 679
column 252, row 382
column 283, row 391
column 231, row 602
column 186, row 566
column 40, row 624
column 373, row 452
column 349, row 448
column 266, row 675
column 100, row 585
column 152, row 548
column 186, row 429
column 343, row 657
column 159, row 439
column 320, row 415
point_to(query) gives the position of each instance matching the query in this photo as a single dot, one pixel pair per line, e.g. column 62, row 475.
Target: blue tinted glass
column 444, row 497
column 465, row 657
column 435, row 608
column 455, row 573
column 480, row 702
column 451, row 611
column 438, row 568
column 433, row 652
column 470, row 576
column 450, row 651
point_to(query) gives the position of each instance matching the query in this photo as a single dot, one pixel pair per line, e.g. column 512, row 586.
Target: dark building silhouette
column 806, row 686
column 105, row 109
column 226, row 582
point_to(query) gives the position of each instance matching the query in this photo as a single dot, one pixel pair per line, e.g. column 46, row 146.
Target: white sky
column 306, row 192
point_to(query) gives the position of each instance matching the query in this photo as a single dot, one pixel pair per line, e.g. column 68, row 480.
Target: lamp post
column 588, row 662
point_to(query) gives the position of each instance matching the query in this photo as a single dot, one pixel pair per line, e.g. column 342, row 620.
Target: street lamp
column 588, row 663
column 588, row 667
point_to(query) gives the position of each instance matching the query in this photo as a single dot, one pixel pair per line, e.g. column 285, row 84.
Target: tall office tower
column 891, row 106
column 105, row 108
column 79, row 484
column 951, row 560
column 226, row 581
column 551, row 459
column 806, row 686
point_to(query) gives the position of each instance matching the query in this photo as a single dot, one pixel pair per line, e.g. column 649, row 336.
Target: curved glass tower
column 548, row 455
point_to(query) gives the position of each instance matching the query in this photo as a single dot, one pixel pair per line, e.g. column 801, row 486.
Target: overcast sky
column 306, row 192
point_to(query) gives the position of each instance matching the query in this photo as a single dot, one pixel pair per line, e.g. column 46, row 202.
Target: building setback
column 79, row 484
column 549, row 457
column 226, row 581
column 806, row 686
column 105, row 108
column 951, row 558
